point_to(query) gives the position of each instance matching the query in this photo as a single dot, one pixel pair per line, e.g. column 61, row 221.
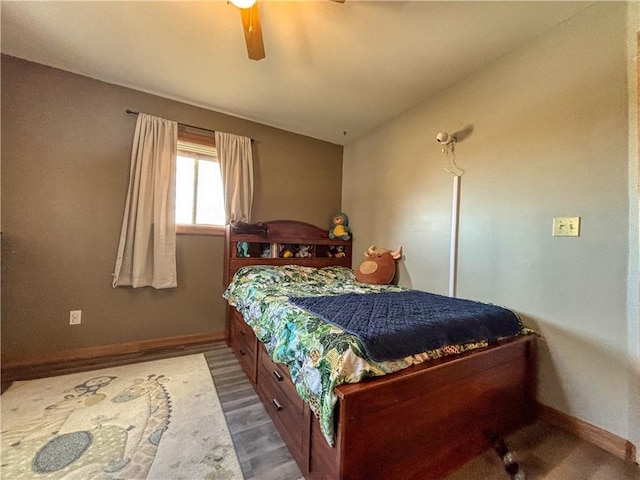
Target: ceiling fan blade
column 252, row 32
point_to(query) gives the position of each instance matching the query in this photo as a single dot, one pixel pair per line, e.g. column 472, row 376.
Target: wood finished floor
column 544, row 452
column 260, row 449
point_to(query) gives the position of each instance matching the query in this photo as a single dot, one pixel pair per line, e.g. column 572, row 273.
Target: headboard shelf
column 311, row 243
column 288, row 239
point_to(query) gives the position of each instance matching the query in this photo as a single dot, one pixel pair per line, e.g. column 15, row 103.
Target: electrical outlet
column 566, row 226
column 75, row 317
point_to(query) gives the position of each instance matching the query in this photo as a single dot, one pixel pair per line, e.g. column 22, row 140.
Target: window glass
column 210, row 205
column 185, row 173
column 199, row 198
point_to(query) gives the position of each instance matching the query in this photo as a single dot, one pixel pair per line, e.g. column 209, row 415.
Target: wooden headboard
column 281, row 233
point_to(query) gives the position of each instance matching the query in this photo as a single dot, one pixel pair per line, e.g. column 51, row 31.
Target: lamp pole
column 453, row 256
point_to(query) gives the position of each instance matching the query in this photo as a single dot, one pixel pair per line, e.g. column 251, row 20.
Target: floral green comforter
column 320, row 356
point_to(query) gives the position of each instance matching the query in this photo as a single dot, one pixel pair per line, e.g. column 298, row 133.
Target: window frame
column 194, row 229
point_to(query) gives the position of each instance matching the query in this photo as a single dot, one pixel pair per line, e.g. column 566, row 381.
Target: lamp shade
column 243, row 3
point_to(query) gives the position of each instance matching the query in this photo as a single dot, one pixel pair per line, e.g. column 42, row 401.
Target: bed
column 342, row 414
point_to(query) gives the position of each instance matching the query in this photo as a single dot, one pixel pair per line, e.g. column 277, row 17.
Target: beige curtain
column 236, row 168
column 147, row 250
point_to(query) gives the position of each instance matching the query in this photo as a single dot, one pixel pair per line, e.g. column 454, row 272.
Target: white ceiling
column 329, row 68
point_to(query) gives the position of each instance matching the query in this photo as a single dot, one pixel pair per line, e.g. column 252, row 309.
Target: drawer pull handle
column 242, row 332
column 277, row 375
column 277, row 404
column 242, row 352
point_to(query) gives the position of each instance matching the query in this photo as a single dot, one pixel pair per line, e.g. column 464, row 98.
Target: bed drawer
column 278, row 375
column 289, row 412
column 244, row 344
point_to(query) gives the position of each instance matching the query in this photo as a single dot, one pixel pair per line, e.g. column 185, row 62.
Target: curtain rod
column 131, row 112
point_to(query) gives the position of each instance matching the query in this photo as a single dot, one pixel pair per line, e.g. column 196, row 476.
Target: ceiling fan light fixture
column 243, row 3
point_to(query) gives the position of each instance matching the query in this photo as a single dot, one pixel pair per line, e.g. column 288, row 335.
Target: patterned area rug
column 155, row 420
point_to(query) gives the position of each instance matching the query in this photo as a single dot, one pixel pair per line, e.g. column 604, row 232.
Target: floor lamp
column 448, row 142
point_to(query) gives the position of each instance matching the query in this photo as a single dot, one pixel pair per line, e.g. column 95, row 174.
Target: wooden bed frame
column 419, row 423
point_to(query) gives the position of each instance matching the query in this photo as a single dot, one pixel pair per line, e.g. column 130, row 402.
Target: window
column 199, row 198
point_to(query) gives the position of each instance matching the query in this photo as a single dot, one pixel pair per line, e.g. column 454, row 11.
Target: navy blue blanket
column 393, row 325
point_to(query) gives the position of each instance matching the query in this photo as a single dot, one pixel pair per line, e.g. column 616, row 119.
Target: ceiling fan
column 251, row 26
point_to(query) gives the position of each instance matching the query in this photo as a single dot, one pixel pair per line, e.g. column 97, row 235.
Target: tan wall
column 66, row 146
column 550, row 127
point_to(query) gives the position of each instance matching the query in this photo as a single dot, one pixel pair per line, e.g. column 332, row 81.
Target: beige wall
column 550, row 138
column 66, row 145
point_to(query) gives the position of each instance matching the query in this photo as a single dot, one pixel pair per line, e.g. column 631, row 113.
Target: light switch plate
column 566, row 226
